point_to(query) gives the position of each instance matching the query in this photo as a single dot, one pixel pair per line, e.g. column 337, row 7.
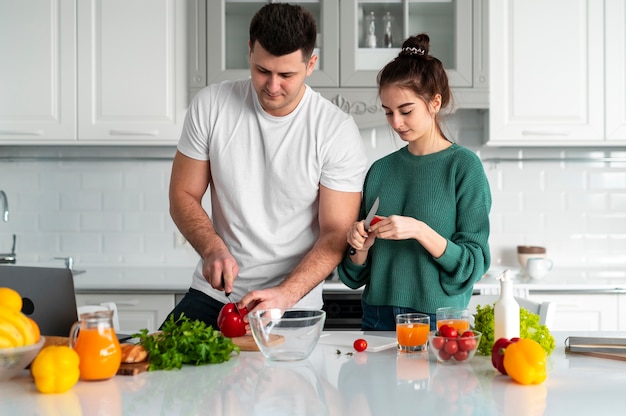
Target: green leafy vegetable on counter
column 185, row 341
column 529, row 328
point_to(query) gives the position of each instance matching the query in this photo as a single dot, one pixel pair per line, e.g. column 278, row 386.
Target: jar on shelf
column 370, row 30
column 388, row 23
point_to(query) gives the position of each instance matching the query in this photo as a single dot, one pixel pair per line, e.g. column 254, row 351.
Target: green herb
column 529, row 328
column 184, row 341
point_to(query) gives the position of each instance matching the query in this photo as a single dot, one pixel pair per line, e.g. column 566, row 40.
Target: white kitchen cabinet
column 347, row 68
column 136, row 310
column 615, row 38
column 38, row 71
column 583, row 312
column 557, row 73
column 93, row 72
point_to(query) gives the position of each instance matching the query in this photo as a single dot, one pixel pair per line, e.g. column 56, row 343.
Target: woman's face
column 408, row 114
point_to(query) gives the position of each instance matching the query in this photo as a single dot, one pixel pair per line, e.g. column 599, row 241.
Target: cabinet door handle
column 21, row 132
column 134, row 132
column 544, row 133
column 132, row 302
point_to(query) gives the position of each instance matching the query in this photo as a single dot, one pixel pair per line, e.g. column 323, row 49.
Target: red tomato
column 461, row 355
column 230, row 322
column 438, row 342
column 444, row 355
column 375, row 220
column 451, row 346
column 467, row 342
column 448, row 331
column 360, row 345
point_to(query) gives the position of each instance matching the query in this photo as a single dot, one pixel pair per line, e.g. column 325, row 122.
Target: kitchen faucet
column 5, row 206
column 7, row 257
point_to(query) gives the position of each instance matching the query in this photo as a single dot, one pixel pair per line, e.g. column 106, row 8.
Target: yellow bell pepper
column 55, row 369
column 525, row 361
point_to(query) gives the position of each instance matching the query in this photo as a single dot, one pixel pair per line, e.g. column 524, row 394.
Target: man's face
column 279, row 80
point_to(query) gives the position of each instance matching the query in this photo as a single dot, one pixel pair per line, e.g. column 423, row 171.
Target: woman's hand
column 358, row 237
column 396, row 227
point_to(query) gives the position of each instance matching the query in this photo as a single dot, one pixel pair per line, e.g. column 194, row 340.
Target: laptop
column 48, row 296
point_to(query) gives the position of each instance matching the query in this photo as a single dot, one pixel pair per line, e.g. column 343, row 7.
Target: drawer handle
column 21, row 132
column 133, row 302
column 134, row 132
column 544, row 133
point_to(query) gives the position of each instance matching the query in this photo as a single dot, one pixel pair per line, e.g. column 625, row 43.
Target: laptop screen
column 48, row 296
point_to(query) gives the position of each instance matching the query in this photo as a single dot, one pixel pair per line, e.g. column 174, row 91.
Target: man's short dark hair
column 283, row 28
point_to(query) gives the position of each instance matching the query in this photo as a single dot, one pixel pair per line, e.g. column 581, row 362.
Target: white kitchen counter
column 369, row 383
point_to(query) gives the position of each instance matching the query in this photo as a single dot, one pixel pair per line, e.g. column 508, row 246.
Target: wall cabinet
column 565, row 86
column 136, row 310
column 348, row 64
column 584, row 312
column 92, row 72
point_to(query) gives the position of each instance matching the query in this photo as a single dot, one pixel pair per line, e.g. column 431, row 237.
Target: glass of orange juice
column 458, row 318
column 412, row 331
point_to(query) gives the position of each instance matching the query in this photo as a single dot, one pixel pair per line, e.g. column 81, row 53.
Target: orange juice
column 100, row 353
column 412, row 335
column 461, row 325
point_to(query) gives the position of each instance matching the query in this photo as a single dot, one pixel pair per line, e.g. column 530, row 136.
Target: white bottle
column 506, row 310
column 370, row 27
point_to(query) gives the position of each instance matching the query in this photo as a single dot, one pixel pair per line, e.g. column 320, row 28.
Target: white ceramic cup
column 538, row 267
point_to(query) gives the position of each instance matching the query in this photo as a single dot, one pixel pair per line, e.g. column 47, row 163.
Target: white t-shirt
column 266, row 173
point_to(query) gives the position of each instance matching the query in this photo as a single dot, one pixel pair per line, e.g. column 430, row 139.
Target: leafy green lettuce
column 529, row 328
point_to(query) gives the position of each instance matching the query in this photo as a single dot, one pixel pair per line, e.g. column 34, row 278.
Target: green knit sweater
column 447, row 190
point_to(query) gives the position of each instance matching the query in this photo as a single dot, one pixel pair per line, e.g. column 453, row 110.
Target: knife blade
column 368, row 220
column 229, row 299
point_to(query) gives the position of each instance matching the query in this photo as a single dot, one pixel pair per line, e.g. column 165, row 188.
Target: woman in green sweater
column 431, row 244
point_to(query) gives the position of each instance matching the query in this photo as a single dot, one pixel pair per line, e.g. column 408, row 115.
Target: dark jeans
column 383, row 318
column 197, row 305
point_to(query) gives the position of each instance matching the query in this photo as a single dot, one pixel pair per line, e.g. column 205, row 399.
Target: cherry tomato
column 444, row 355
column 438, row 342
column 461, row 355
column 451, row 346
column 467, row 342
column 360, row 345
column 230, row 322
column 448, row 331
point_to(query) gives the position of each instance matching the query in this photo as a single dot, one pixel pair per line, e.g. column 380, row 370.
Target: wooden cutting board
column 132, row 369
column 247, row 343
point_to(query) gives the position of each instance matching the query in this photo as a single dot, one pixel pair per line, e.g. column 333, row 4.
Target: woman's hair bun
column 417, row 45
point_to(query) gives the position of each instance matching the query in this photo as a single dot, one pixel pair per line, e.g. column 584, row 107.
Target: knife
column 229, row 299
column 368, row 220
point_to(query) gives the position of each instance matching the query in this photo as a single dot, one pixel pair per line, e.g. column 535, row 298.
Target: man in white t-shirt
column 285, row 169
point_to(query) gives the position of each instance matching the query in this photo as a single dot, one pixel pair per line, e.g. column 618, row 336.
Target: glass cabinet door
column 227, row 25
column 372, row 33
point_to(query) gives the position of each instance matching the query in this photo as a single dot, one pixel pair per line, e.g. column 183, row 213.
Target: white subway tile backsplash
column 607, row 180
column 117, row 211
column 81, row 201
column 142, row 221
column 101, row 221
column 59, row 221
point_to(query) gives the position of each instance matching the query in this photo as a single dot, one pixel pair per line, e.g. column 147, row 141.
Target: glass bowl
column 287, row 335
column 14, row 360
column 453, row 350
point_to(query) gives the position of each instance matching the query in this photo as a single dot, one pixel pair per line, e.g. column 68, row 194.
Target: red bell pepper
column 497, row 353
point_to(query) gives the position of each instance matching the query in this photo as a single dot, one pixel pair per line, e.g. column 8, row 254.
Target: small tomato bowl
column 453, row 350
column 14, row 360
column 287, row 335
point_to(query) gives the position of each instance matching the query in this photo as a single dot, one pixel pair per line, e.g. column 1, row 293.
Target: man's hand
column 220, row 269
column 273, row 297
